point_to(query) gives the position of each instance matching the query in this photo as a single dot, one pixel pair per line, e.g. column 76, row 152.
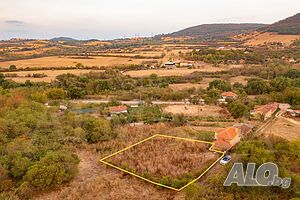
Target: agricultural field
column 195, row 110
column 51, row 75
column 175, row 72
column 60, row 61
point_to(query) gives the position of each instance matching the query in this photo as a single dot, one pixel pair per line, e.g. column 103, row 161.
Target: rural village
column 162, row 117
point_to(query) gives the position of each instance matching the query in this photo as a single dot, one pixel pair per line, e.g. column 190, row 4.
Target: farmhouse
column 264, row 112
column 293, row 113
column 115, row 110
column 226, row 138
column 229, row 95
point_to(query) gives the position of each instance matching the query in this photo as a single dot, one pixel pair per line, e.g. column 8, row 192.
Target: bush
column 98, row 130
column 238, row 109
column 53, row 170
column 56, row 93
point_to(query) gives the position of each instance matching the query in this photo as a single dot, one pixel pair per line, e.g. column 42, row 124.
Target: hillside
column 290, row 25
column 216, row 30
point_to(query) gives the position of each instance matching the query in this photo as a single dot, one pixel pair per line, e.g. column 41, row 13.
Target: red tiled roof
column 227, row 133
column 229, row 94
column 266, row 108
column 222, row 144
column 117, row 108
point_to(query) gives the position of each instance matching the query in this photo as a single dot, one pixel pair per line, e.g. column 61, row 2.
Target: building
column 115, row 110
column 229, row 95
column 264, row 112
column 226, row 138
column 293, row 113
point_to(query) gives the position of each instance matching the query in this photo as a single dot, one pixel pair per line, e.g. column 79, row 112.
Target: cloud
column 14, row 22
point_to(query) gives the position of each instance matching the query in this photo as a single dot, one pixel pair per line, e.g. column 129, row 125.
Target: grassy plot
column 166, row 161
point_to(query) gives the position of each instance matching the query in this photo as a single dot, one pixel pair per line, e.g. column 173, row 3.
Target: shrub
column 56, row 93
column 53, row 170
column 98, row 130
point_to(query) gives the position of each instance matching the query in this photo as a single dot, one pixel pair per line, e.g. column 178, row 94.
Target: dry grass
column 51, row 74
column 172, row 72
column 195, row 110
column 260, row 39
column 55, row 61
column 284, row 127
column 184, row 86
column 165, row 157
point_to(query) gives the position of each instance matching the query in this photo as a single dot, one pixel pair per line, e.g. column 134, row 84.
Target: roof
column 229, row 94
column 222, row 144
column 227, row 133
column 264, row 109
column 117, row 108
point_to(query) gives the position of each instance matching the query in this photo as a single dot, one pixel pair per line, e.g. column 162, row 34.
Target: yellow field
column 174, row 72
column 51, row 74
column 194, row 110
column 55, row 61
column 263, row 38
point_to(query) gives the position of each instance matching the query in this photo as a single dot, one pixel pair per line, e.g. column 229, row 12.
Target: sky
column 110, row 19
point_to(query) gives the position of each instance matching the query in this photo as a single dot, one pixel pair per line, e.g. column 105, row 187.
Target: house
column 226, row 138
column 115, row 110
column 229, row 95
column 293, row 113
column 264, row 112
column 222, row 101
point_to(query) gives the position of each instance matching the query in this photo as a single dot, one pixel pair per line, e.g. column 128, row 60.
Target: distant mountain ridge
column 290, row 25
column 65, row 39
column 216, row 30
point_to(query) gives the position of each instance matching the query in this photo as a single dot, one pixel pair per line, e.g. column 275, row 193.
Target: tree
column 238, row 109
column 257, row 86
column 220, row 85
column 98, row 130
column 12, row 68
column 280, row 84
column 56, row 93
column 52, row 170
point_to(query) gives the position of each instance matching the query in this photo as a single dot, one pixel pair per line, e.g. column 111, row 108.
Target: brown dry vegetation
column 286, row 128
column 195, row 110
column 260, row 39
column 51, row 74
column 56, row 61
column 98, row 181
column 160, row 157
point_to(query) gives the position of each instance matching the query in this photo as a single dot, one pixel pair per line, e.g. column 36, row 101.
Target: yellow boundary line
column 159, row 184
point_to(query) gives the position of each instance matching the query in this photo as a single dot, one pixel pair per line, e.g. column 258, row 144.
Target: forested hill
column 216, row 30
column 290, row 25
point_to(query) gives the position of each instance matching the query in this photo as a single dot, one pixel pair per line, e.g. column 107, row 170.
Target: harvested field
column 286, row 128
column 51, row 74
column 195, row 110
column 260, row 39
column 184, row 86
column 172, row 162
column 172, row 72
column 56, row 61
column 240, row 79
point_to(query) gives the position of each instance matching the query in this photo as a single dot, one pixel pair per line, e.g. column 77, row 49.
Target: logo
column 266, row 175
